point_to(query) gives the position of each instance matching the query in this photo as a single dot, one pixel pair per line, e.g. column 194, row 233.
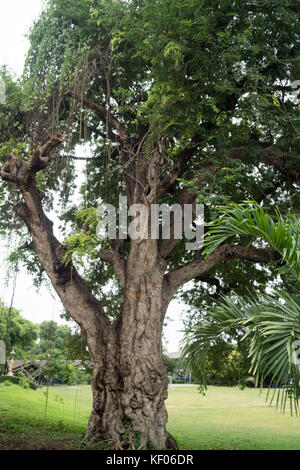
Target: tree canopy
column 210, row 80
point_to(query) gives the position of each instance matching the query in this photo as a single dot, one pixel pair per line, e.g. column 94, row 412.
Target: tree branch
column 179, row 168
column 186, row 154
column 117, row 261
column 19, row 172
column 104, row 112
column 73, row 291
column 41, row 157
column 187, row 196
column 270, row 154
column 200, row 266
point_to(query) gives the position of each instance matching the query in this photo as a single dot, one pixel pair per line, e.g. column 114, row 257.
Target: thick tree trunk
column 130, row 383
column 129, row 400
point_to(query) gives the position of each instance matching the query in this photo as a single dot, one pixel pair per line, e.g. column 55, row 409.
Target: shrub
column 7, row 378
column 23, row 381
column 16, row 380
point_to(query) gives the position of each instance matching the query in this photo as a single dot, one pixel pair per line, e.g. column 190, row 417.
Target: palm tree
column 270, row 321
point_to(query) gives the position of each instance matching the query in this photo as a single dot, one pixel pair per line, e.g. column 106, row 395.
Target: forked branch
column 73, row 291
column 41, row 157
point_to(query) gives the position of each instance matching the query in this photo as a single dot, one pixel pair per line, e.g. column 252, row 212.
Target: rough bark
column 130, row 389
column 130, row 383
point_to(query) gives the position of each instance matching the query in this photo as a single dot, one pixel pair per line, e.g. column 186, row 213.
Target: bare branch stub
column 20, row 172
column 41, row 157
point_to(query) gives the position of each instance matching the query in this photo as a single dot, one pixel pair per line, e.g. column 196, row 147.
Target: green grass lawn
column 225, row 418
column 229, row 418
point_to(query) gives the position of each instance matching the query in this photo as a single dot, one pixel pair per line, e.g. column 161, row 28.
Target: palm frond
column 273, row 325
column 272, row 322
column 250, row 219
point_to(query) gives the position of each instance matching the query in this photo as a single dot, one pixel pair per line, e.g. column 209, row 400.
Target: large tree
column 180, row 101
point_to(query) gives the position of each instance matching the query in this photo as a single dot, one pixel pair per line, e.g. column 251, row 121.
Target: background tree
column 226, row 362
column 61, row 347
column 53, row 336
column 180, row 102
column 171, row 365
column 17, row 332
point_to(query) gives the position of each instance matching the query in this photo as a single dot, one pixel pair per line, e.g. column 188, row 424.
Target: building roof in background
column 174, row 355
column 41, row 364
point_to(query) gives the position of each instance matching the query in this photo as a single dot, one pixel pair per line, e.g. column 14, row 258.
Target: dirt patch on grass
column 37, row 444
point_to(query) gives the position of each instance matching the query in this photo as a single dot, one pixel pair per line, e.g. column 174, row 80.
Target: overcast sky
column 16, row 17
